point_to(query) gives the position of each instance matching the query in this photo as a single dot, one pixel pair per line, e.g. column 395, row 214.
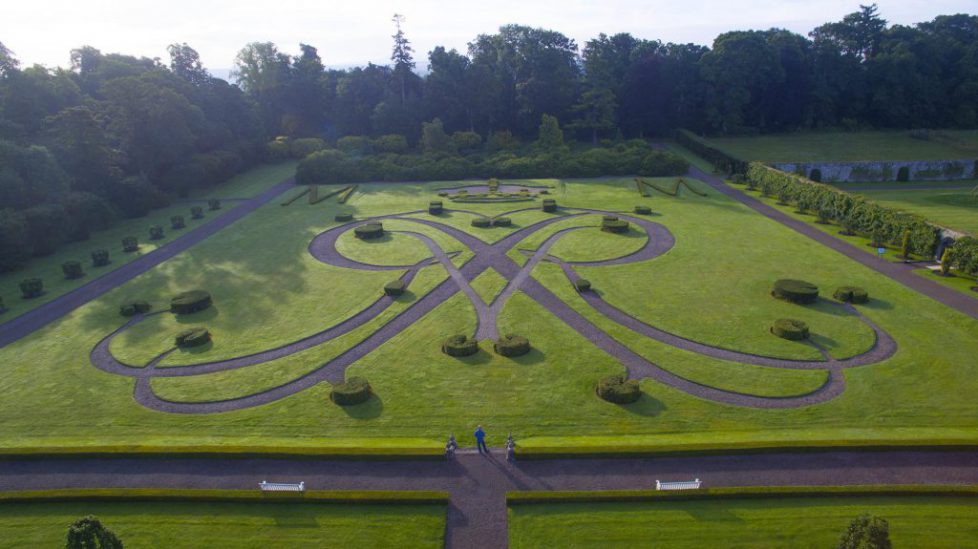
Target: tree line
column 115, row 135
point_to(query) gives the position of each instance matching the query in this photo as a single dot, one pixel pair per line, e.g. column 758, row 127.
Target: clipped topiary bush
column 190, row 302
column 31, row 287
column 611, row 224
column 851, row 294
column 72, row 269
column 435, row 207
column 155, row 232
column 460, row 345
column 395, row 288
column 481, row 222
column 582, row 285
column 789, row 328
column 368, row 231
column 177, row 223
column 355, row 390
column 643, row 210
column 511, row 345
column 343, row 218
column 130, row 244
column 549, row 205
column 502, row 222
column 100, row 258
column 196, row 212
column 213, row 204
column 795, row 291
column 619, row 390
column 194, row 337
column 130, row 309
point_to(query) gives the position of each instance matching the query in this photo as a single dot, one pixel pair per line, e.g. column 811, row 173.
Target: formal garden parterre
column 310, row 311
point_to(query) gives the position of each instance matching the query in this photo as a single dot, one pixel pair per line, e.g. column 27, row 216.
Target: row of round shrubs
column 486, row 222
column 799, row 291
column 509, row 345
column 182, row 304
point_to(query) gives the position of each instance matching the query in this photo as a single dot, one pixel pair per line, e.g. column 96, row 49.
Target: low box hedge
column 240, row 496
column 460, row 345
column 194, row 337
column 343, row 218
column 31, row 288
column 482, row 222
column 549, row 205
column 511, row 345
column 190, row 302
column 369, row 231
column 791, row 329
column 395, row 288
column 643, row 210
column 851, row 294
column 130, row 309
column 435, row 207
column 502, row 222
column 619, row 390
column 795, row 291
column 582, row 285
column 614, row 225
column 354, row 390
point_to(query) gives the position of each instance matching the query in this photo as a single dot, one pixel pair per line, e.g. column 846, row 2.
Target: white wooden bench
column 282, row 487
column 680, row 485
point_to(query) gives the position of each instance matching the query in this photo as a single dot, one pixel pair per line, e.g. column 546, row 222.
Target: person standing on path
column 480, row 439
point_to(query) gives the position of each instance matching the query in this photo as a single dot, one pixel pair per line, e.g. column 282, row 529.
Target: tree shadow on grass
column 820, row 341
column 877, row 304
column 535, row 356
column 367, row 410
column 199, row 349
column 645, row 406
column 478, row 359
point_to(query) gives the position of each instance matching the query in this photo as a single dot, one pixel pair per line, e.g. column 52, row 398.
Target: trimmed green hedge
column 720, row 159
column 196, row 212
column 851, row 294
column 177, row 222
column 435, row 207
column 752, row 492
column 502, row 222
column 31, row 288
column 549, row 205
column 130, row 244
column 190, row 302
column 482, row 222
column 100, row 258
column 460, row 345
column 130, row 309
column 619, row 390
column 395, row 288
column 194, row 337
column 155, row 232
column 354, row 390
column 854, row 214
column 611, row 224
column 343, row 218
column 789, row 328
column 511, row 345
column 213, row 204
column 795, row 291
column 369, row 231
column 242, row 496
column 582, row 285
column 643, row 210
column 72, row 270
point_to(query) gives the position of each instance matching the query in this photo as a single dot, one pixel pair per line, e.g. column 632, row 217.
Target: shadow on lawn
column 645, row 406
column 367, row 410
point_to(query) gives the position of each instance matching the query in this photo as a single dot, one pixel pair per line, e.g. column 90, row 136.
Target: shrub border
column 436, row 451
column 745, row 492
column 229, row 496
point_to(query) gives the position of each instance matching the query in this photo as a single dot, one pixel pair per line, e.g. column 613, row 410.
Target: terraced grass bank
column 851, row 146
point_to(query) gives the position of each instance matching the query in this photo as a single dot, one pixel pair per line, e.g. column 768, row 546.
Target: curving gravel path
column 486, row 255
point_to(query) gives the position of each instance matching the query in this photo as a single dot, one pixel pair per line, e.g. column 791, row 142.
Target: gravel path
column 477, row 517
column 36, row 319
column 486, row 255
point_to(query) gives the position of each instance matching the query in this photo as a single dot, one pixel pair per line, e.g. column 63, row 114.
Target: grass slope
column 850, row 146
column 795, row 523
column 230, row 525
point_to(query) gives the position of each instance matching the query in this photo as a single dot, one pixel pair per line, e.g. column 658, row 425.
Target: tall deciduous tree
column 595, row 112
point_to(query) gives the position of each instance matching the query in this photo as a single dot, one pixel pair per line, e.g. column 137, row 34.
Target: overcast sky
column 352, row 32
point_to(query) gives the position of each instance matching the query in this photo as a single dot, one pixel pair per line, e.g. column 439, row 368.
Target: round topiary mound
column 190, row 302
column 368, row 231
column 355, row 390
column 582, row 285
column 460, row 345
column 851, row 294
column 789, row 328
column 130, row 309
column 193, row 337
column 619, row 390
column 795, row 291
column 481, row 222
column 72, row 270
column 643, row 210
column 395, row 288
column 612, row 224
column 343, row 218
column 502, row 222
column 512, row 345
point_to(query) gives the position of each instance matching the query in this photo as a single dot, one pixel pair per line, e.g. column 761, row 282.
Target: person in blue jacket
column 480, row 439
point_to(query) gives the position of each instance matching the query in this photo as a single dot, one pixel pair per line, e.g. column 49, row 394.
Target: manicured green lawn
column 850, row 146
column 48, row 268
column 789, row 523
column 713, row 287
column 230, row 525
column 956, row 209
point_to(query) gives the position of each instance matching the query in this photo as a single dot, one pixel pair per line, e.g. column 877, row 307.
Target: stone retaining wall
column 922, row 170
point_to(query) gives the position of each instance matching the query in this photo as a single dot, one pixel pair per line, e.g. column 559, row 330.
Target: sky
column 353, row 32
